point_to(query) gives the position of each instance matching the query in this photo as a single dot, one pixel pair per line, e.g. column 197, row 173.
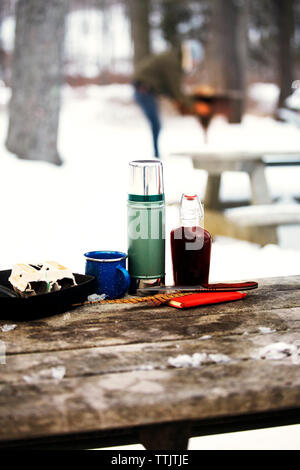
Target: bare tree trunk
column 173, row 13
column 139, row 11
column 284, row 14
column 2, row 52
column 227, row 49
column 36, row 80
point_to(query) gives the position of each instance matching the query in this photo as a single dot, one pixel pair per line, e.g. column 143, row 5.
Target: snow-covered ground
column 61, row 212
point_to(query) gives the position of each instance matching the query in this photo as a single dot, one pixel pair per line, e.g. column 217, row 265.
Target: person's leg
column 148, row 104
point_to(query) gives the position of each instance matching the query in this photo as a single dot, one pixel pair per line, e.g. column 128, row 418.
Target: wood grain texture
column 117, row 369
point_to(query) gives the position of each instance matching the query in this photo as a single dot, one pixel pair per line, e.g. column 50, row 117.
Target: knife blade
column 217, row 287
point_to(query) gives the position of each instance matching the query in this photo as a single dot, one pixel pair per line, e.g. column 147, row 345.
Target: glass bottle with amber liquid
column 190, row 245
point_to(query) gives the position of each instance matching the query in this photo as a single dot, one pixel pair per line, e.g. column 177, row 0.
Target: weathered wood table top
column 113, row 370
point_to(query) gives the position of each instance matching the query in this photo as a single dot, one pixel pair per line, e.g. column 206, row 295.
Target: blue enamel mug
column 109, row 269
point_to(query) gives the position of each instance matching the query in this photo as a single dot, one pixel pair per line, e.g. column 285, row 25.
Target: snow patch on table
column 279, row 350
column 197, row 359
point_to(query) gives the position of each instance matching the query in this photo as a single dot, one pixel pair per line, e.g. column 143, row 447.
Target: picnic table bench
column 102, row 375
column 263, row 223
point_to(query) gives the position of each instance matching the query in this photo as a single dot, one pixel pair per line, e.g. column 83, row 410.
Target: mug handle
column 126, row 277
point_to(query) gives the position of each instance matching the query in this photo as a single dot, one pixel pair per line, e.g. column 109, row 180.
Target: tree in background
column 284, row 21
column 139, row 11
column 262, row 44
column 174, row 13
column 36, row 80
column 2, row 53
column 275, row 25
column 227, row 49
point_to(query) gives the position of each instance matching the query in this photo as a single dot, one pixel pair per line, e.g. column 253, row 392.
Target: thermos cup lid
column 146, row 179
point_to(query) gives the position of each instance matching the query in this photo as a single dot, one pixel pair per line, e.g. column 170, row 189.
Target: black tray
column 51, row 303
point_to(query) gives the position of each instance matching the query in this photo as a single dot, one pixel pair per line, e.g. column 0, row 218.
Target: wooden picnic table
column 117, row 381
column 262, row 227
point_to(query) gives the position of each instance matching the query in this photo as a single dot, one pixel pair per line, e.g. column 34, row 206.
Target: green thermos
column 146, row 224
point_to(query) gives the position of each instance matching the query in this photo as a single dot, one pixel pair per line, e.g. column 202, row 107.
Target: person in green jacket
column 159, row 74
